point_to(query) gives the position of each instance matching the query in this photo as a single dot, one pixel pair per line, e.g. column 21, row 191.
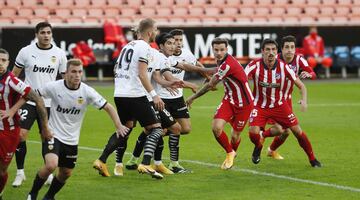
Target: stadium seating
column 342, row 58
column 355, row 58
column 302, row 12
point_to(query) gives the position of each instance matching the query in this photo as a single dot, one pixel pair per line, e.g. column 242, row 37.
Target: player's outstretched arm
column 166, row 79
column 204, row 89
column 205, row 75
column 303, row 92
column 42, row 113
column 191, row 86
column 121, row 130
column 191, row 68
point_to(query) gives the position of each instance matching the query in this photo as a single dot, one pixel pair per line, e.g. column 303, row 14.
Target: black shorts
column 136, row 109
column 165, row 117
column 28, row 115
column 177, row 107
column 67, row 153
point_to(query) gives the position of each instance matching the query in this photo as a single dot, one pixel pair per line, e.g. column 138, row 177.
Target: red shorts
column 237, row 117
column 281, row 114
column 271, row 121
column 9, row 140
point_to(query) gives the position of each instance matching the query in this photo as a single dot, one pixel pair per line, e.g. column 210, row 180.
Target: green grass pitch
column 332, row 124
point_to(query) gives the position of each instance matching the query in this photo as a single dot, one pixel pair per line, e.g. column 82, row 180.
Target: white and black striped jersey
column 68, row 107
column 41, row 66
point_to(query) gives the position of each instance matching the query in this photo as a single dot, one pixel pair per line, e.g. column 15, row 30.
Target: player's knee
column 185, row 129
column 51, row 166
column 254, row 130
column 66, row 174
column 217, row 130
column 296, row 130
column 23, row 135
column 176, row 129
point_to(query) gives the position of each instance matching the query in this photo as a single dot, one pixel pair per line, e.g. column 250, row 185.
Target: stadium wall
column 244, row 41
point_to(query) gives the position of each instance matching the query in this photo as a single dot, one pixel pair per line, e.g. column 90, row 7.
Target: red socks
column 278, row 141
column 3, row 180
column 224, row 142
column 267, row 133
column 306, row 145
column 235, row 144
column 255, row 138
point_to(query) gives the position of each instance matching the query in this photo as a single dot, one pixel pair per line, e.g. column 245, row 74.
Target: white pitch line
column 249, row 171
column 310, row 105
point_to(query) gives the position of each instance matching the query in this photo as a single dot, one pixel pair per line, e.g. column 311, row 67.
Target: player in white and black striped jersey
column 41, row 61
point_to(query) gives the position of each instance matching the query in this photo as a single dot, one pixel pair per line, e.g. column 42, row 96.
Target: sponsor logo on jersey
column 53, row 59
column 47, row 69
column 80, row 100
column 71, row 111
column 269, row 85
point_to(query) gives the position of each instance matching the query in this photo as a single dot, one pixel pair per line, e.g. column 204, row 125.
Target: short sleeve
column 63, row 61
column 95, row 98
column 144, row 54
column 20, row 87
column 223, row 71
column 250, row 69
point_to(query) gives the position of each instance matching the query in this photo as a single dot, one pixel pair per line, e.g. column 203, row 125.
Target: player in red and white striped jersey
column 237, row 103
column 302, row 69
column 11, row 89
column 270, row 75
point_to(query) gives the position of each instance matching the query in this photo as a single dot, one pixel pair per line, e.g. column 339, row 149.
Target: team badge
column 50, row 147
column 80, row 100
column 53, row 59
column 277, row 76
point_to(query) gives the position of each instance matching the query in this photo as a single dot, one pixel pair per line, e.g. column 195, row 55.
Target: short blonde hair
column 145, row 24
column 74, row 62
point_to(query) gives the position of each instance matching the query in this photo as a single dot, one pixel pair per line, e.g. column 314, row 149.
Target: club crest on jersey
column 50, row 147
column 293, row 67
column 80, row 100
column 277, row 76
column 53, row 59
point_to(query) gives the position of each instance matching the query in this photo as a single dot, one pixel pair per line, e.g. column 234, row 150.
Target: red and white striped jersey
column 269, row 83
column 237, row 89
column 298, row 63
column 11, row 89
